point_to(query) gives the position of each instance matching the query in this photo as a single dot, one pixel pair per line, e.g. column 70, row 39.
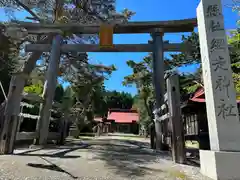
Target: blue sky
column 150, row 10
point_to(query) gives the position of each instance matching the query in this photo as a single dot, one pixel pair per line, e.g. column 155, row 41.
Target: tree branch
column 87, row 11
column 28, row 10
column 58, row 9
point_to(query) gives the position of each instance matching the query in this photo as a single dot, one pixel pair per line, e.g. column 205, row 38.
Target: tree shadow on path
column 61, row 151
column 51, row 166
column 129, row 159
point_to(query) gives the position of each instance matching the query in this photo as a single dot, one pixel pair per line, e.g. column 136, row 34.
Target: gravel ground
column 106, row 158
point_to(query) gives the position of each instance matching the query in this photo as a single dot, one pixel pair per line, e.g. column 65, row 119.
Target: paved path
column 106, row 158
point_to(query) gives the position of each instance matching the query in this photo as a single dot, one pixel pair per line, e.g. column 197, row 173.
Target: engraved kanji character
column 219, row 63
column 226, row 110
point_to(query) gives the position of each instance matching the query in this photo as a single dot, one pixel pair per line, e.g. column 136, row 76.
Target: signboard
column 106, row 36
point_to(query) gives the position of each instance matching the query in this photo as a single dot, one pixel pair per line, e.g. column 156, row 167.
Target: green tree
column 195, row 80
column 59, row 93
column 119, row 100
column 142, row 73
column 8, row 62
column 60, row 11
column 142, row 78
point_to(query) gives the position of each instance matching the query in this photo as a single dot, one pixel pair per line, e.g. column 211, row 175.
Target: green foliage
column 189, row 83
column 7, row 62
column 182, row 59
column 143, row 109
column 103, row 100
column 119, row 100
column 67, row 100
column 59, row 93
column 195, row 80
column 236, row 78
column 236, row 8
column 85, row 79
column 34, row 88
column 142, row 78
column 100, row 107
column 234, row 42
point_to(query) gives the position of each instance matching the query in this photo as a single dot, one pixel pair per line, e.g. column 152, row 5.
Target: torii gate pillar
column 158, row 81
column 222, row 162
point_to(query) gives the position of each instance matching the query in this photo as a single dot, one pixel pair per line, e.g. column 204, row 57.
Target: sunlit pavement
column 105, row 157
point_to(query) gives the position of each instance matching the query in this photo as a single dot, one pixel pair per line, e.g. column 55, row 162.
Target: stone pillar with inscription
column 222, row 162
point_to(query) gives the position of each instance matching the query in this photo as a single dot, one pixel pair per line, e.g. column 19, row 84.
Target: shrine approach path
column 103, row 158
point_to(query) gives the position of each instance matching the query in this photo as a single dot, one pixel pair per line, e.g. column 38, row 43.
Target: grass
column 178, row 175
column 192, row 144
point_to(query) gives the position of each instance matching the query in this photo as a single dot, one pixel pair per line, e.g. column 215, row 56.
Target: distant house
column 121, row 120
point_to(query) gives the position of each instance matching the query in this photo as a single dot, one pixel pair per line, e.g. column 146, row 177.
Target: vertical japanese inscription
column 219, row 64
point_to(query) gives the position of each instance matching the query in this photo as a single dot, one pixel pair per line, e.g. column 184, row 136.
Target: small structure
column 120, row 120
column 195, row 119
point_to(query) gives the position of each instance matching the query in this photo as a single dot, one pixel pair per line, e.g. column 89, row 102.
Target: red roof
column 199, row 96
column 123, row 117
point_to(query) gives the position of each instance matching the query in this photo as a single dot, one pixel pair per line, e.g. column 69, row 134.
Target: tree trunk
column 152, row 135
column 159, row 134
column 150, row 114
column 63, row 129
column 2, row 109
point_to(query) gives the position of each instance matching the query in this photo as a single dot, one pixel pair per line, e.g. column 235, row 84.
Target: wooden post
column 20, row 119
column 63, row 128
column 158, row 82
column 3, row 91
column 60, row 141
column 178, row 143
column 49, row 90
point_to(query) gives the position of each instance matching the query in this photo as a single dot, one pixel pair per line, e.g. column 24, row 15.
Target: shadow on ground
column 61, row 151
column 50, row 166
column 127, row 157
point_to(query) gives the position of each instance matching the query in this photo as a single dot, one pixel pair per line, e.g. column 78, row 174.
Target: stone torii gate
column 223, row 160
column 158, row 47
column 157, row 30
